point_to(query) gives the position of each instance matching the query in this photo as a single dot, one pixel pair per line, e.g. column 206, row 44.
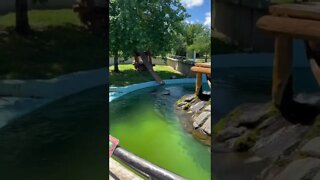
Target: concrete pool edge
column 21, row 97
column 117, row 92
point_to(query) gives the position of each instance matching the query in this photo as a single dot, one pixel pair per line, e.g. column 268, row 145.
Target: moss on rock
column 246, row 141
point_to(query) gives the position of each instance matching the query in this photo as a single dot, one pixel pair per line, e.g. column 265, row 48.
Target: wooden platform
column 118, row 171
column 287, row 22
column 201, row 68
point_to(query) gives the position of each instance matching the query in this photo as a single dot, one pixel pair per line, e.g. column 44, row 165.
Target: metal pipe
column 144, row 166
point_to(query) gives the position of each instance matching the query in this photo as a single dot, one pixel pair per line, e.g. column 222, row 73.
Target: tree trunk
column 116, row 63
column 22, row 22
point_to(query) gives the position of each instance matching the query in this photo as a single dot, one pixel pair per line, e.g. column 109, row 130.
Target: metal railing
column 143, row 167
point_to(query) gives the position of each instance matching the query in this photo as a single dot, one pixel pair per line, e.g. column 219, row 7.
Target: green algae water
column 145, row 123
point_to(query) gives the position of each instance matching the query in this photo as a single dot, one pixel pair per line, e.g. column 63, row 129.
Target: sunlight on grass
column 43, row 18
column 129, row 75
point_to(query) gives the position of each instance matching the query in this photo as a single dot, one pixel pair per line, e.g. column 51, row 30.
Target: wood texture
column 295, row 28
column 303, row 11
column 282, row 67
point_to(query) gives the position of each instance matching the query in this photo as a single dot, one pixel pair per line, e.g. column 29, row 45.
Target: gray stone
column 279, row 142
column 166, row 92
column 252, row 113
column 207, row 126
column 198, row 106
column 312, row 148
column 300, row 169
column 199, row 120
column 189, row 98
column 181, row 104
column 208, row 108
column 317, row 176
column 230, row 132
column 186, row 106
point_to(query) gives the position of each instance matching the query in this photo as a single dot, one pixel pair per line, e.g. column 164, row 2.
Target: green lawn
column 59, row 44
column 129, row 75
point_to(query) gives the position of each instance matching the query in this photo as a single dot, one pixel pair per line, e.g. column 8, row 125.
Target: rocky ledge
column 195, row 116
column 293, row 150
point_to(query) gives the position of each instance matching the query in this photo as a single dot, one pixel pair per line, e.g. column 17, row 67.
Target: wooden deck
column 118, row 171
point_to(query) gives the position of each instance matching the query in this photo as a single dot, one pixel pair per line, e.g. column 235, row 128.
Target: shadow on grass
column 50, row 52
column 127, row 77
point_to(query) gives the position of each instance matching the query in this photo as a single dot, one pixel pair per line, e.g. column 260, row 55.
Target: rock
column 199, row 120
column 301, row 169
column 230, row 132
column 181, row 104
column 4, row 33
column 166, row 92
column 279, row 142
column 317, row 176
column 198, row 106
column 312, row 148
column 190, row 98
column 252, row 113
column 207, row 126
column 186, row 106
column 208, row 108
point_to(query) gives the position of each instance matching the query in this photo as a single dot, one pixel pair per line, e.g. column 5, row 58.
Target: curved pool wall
column 21, row 97
column 259, row 59
column 116, row 92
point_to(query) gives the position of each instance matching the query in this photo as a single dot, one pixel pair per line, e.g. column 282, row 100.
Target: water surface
column 146, row 125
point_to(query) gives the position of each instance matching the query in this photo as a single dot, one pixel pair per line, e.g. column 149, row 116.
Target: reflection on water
column 146, row 125
column 64, row 140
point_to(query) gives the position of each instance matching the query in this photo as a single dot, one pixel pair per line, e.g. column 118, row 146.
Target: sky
column 200, row 11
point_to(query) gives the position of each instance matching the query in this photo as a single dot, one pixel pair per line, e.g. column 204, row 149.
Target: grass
column 129, row 75
column 59, row 44
column 43, row 18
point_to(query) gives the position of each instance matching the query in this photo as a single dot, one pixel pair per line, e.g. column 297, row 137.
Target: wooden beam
column 302, row 11
column 198, row 83
column 295, row 28
column 201, row 70
column 282, row 67
column 205, row 65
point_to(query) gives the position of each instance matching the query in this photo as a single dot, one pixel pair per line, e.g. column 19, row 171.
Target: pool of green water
column 145, row 123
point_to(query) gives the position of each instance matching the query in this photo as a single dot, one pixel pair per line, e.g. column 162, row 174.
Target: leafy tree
column 202, row 43
column 198, row 39
column 138, row 26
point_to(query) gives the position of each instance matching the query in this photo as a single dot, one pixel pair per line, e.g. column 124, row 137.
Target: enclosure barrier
column 143, row 167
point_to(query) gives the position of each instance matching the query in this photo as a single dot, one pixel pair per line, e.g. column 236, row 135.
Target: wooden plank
column 201, row 70
column 206, row 65
column 296, row 28
column 282, row 67
column 118, row 171
column 302, row 11
column 198, row 83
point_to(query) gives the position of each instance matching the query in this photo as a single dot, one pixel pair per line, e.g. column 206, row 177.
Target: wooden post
column 198, row 82
column 282, row 69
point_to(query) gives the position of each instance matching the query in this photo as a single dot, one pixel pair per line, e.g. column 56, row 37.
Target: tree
column 202, row 43
column 144, row 26
column 198, row 39
column 22, row 20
